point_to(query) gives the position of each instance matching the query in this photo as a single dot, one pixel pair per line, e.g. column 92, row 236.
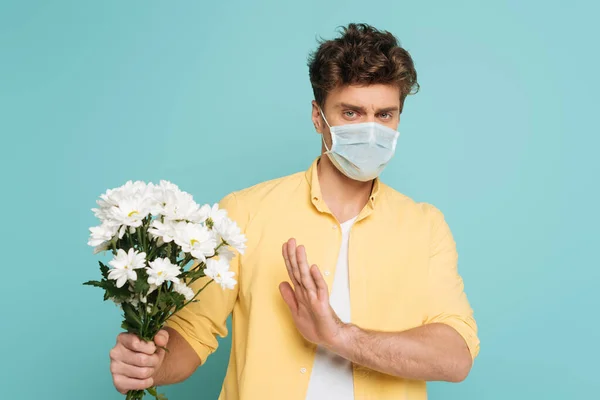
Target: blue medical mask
column 361, row 151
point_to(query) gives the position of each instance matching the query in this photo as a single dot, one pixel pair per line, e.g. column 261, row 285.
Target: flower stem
column 129, row 237
column 223, row 243
column 135, row 395
column 145, row 233
column 182, row 263
column 140, row 240
column 201, row 289
column 156, row 302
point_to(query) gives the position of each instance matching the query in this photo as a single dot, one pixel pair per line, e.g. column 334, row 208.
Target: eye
column 350, row 114
column 385, row 115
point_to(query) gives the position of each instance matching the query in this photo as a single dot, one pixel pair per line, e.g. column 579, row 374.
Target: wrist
column 343, row 342
column 159, row 377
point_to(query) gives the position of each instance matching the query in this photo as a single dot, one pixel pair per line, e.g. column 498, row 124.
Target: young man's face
column 355, row 104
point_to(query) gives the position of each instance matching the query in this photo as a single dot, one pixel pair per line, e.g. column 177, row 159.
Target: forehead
column 366, row 96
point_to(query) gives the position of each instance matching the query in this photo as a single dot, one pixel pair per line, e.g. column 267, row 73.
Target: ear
column 316, row 118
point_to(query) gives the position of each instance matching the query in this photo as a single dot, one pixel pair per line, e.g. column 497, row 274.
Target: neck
column 345, row 197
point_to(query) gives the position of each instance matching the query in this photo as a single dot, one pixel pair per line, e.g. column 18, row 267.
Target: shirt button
column 326, row 273
column 303, row 370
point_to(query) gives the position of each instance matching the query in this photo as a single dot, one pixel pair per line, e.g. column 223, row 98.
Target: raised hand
column 308, row 300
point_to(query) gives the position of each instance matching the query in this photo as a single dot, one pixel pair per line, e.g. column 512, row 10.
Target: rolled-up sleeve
column 446, row 299
column 200, row 322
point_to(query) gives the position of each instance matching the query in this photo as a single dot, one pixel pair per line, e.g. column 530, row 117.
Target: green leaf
column 141, row 284
column 159, row 396
column 163, row 301
column 95, row 283
column 194, row 274
column 177, row 298
column 125, row 326
column 103, row 270
column 131, row 316
column 112, row 290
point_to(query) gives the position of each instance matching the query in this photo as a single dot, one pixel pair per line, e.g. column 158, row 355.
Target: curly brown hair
column 362, row 55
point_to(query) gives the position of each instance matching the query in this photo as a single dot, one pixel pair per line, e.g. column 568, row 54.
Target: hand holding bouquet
column 162, row 242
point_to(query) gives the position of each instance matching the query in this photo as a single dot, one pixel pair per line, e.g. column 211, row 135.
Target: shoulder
column 424, row 219
column 423, row 211
column 262, row 190
column 252, row 197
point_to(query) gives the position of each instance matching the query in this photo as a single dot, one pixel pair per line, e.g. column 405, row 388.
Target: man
column 364, row 301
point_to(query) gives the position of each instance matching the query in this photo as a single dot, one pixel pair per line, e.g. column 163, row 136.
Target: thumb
column 161, row 338
column 289, row 296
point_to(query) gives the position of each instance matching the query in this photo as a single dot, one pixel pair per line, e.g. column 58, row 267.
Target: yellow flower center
column 159, row 273
column 133, row 212
column 193, row 241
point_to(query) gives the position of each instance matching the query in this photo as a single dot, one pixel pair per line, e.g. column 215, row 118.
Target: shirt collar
column 312, row 178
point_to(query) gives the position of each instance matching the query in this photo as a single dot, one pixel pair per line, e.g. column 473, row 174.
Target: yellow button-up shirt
column 402, row 274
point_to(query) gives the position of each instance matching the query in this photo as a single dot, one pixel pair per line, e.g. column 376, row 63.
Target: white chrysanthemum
column 231, row 234
column 213, row 214
column 117, row 302
column 142, row 298
column 185, row 290
column 120, row 209
column 226, row 253
column 196, row 240
column 163, row 193
column 124, row 265
column 162, row 190
column 179, row 206
column 130, row 211
column 219, row 271
column 153, row 287
column 100, row 236
column 134, row 301
column 164, row 230
column 112, row 197
column 162, row 270
column 102, row 247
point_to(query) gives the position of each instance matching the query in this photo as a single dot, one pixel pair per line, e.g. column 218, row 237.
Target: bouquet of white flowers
column 154, row 232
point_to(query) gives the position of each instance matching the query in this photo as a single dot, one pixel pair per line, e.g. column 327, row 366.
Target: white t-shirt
column 331, row 376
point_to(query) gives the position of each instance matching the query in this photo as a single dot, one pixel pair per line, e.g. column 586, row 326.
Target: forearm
column 433, row 352
column 180, row 361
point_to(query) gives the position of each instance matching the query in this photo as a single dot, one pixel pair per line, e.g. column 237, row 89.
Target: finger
column 133, row 343
column 294, row 263
column 129, row 371
column 161, row 338
column 307, row 279
column 160, row 353
column 133, row 358
column 288, row 264
column 123, row 383
column 289, row 297
column 322, row 290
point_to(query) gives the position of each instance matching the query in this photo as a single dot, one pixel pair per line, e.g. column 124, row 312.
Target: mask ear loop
column 323, row 136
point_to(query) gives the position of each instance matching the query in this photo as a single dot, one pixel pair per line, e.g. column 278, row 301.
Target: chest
column 386, row 266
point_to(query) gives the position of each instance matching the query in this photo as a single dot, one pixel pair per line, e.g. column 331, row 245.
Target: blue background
column 503, row 138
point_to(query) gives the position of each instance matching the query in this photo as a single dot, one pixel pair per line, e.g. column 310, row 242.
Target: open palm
column 308, row 300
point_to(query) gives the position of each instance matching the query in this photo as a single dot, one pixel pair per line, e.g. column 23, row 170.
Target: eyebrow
column 364, row 110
